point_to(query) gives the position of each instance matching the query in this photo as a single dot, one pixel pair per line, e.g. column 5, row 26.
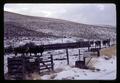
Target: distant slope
column 42, row 26
column 15, row 30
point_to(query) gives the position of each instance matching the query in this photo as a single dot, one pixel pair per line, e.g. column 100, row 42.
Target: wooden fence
column 19, row 66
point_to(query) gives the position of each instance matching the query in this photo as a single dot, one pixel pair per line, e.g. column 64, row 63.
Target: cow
column 20, row 49
column 29, row 48
column 106, row 42
column 36, row 49
column 91, row 42
column 8, row 50
column 98, row 43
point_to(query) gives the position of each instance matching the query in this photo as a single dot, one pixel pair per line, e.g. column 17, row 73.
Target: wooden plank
column 46, row 61
column 60, row 59
column 45, row 68
column 67, row 45
column 79, row 54
column 46, row 65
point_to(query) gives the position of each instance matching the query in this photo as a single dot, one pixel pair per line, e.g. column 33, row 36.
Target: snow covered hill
column 49, row 27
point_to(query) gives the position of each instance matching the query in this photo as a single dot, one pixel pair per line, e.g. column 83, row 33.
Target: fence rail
column 41, row 48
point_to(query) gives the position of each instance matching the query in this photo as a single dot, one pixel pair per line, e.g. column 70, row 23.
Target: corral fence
column 19, row 66
column 27, row 63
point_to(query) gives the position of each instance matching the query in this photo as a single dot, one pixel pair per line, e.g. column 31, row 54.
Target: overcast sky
column 103, row 14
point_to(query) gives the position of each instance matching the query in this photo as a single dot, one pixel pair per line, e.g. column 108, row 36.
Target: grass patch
column 110, row 51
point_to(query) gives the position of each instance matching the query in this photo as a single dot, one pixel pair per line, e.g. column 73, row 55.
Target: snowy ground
column 64, row 71
column 107, row 68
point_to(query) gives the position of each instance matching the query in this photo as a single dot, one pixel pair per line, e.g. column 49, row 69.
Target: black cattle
column 36, row 49
column 8, row 50
column 40, row 49
column 106, row 42
column 28, row 48
column 91, row 42
column 98, row 43
column 24, row 49
column 20, row 49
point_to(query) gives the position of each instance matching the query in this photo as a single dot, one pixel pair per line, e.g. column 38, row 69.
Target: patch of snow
column 46, row 77
column 107, row 71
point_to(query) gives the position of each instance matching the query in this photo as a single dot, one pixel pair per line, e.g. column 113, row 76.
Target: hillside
column 14, row 30
column 21, row 25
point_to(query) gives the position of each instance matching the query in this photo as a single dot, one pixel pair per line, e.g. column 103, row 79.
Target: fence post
column 15, row 53
column 52, row 64
column 88, row 48
column 79, row 54
column 23, row 66
column 67, row 56
column 98, row 53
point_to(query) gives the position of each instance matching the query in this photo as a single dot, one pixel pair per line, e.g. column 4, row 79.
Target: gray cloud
column 104, row 14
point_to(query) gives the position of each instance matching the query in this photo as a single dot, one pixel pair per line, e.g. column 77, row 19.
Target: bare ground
column 111, row 51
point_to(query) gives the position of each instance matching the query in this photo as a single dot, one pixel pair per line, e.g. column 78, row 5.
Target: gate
column 16, row 68
column 19, row 66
